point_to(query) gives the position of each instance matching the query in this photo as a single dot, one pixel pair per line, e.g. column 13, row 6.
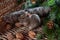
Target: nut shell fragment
column 31, row 34
column 19, row 35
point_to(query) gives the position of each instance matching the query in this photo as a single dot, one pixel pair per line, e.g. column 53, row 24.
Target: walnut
column 19, row 35
column 31, row 34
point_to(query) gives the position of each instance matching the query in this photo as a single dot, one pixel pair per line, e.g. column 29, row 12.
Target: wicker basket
column 7, row 6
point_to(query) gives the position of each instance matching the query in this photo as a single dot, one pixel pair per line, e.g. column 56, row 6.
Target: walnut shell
column 19, row 35
column 31, row 34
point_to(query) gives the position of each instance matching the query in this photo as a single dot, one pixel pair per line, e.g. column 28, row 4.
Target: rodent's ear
column 34, row 21
column 36, row 18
